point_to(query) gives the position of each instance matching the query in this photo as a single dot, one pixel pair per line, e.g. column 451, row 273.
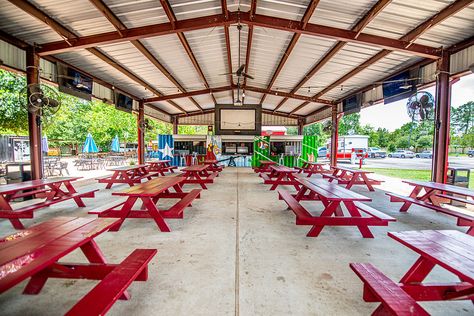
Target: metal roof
column 202, row 46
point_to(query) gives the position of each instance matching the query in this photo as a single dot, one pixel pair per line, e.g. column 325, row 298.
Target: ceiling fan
column 239, row 73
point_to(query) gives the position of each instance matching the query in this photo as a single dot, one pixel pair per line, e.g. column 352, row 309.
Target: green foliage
column 13, row 118
column 192, row 129
column 462, row 118
column 317, row 129
column 425, row 141
column 391, row 147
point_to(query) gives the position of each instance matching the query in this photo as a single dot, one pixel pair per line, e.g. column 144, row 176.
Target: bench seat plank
column 101, row 298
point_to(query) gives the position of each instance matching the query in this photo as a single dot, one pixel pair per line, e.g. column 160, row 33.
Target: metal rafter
column 249, row 88
column 225, row 11
column 120, row 26
column 171, row 16
column 363, row 22
column 244, row 17
column 410, row 37
column 68, row 35
column 253, row 9
column 306, row 17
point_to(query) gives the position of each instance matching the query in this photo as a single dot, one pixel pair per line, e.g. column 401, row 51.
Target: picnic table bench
column 149, row 193
column 431, row 195
column 130, row 175
column 35, row 254
column 161, row 166
column 264, row 166
column 213, row 165
column 350, row 177
column 450, row 250
column 198, row 174
column 311, row 168
column 53, row 190
column 280, row 175
column 332, row 196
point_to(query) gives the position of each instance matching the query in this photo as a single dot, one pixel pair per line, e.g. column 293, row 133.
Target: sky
column 393, row 115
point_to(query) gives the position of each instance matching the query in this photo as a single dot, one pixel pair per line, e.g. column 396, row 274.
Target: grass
column 411, row 174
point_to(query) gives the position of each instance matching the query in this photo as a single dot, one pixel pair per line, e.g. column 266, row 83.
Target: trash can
column 459, row 177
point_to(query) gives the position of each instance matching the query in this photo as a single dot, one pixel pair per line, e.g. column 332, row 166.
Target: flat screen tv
column 352, row 104
column 74, row 82
column 398, row 87
column 123, row 102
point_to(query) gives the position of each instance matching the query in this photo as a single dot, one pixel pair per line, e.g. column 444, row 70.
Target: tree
column 13, row 117
column 462, row 118
column 349, row 124
column 403, row 142
column 317, row 130
column 424, row 141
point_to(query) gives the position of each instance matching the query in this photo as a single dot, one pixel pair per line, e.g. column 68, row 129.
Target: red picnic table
column 264, row 166
column 448, row 249
column 35, row 253
column 213, row 165
column 311, row 168
column 161, row 166
column 432, row 194
column 53, row 190
column 280, row 175
column 352, row 177
column 198, row 174
column 127, row 174
column 331, row 196
column 149, row 193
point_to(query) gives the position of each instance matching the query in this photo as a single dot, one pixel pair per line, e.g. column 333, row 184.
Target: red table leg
column 155, row 214
column 124, row 211
column 328, row 211
column 364, row 229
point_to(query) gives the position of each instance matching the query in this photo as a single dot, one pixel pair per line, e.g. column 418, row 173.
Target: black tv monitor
column 123, row 102
column 398, row 87
column 352, row 104
column 74, row 82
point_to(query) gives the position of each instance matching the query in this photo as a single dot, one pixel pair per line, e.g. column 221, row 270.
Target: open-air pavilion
column 237, row 250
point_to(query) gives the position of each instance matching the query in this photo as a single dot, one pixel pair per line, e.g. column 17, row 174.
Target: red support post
column 334, row 135
column 34, row 121
column 300, row 126
column 175, row 125
column 141, row 132
column 442, row 120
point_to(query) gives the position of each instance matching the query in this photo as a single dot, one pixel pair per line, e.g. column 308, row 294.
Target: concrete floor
column 273, row 269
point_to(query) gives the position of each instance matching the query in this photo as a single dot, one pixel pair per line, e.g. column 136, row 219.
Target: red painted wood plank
column 107, row 292
column 26, row 185
column 332, row 191
column 195, row 168
column 354, row 171
column 442, row 187
column 47, row 254
column 152, row 187
column 452, row 251
column 127, row 168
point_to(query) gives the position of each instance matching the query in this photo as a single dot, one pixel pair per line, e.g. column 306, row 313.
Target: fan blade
column 226, row 74
column 247, row 76
column 52, row 103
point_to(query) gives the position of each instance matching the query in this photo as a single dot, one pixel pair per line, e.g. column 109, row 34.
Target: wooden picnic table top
column 126, row 168
column 442, row 187
column 158, row 161
column 210, row 161
column 29, row 251
column 332, row 191
column 194, row 168
column 267, row 162
column 152, row 187
column 283, row 169
column 351, row 170
column 15, row 187
column 315, row 163
column 451, row 249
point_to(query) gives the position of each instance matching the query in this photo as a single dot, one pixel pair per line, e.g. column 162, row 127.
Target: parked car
column 402, row 154
column 375, row 152
column 425, row 154
column 322, row 152
column 470, row 153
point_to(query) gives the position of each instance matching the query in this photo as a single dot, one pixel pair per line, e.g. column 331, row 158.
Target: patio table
column 35, row 254
column 311, row 168
column 53, row 191
column 264, row 166
column 213, row 165
column 332, row 197
column 350, row 177
column 149, row 194
column 280, row 175
column 160, row 166
column 446, row 249
column 127, row 174
column 198, row 174
column 432, row 194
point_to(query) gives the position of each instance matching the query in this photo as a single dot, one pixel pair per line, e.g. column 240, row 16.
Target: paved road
column 414, row 163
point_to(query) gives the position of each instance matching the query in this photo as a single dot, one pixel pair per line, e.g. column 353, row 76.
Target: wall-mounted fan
column 40, row 99
column 420, row 106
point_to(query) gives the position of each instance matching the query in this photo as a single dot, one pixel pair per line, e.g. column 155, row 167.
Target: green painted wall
column 260, row 152
column 310, row 146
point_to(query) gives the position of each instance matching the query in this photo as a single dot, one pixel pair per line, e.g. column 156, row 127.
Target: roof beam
column 120, row 26
column 244, row 17
column 171, row 16
column 225, row 11
column 249, row 88
column 409, row 37
column 306, row 17
column 64, row 32
column 253, row 9
column 368, row 17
